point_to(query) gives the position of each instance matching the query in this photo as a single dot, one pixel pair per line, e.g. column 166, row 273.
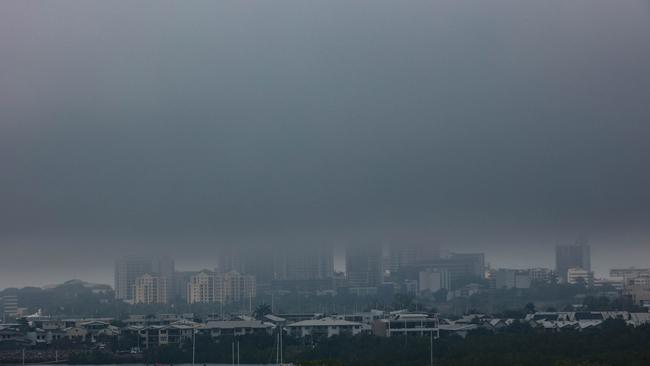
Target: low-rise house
column 564, row 321
column 368, row 317
column 236, row 328
column 76, row 334
column 275, row 320
column 157, row 335
column 406, row 324
column 458, row 329
column 296, row 317
column 638, row 319
column 10, row 335
column 496, row 325
column 325, row 327
column 175, row 334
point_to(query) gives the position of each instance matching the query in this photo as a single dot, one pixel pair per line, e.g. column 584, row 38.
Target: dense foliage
column 615, row 344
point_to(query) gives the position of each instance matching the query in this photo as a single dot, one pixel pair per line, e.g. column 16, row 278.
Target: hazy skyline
column 506, row 127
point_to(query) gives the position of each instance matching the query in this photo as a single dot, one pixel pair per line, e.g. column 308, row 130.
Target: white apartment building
column 202, row 288
column 208, row 287
column 150, row 289
column 325, row 327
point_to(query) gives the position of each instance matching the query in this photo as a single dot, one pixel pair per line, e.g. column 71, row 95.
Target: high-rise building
column 402, row 255
column 468, row 264
column 127, row 269
column 202, row 287
column 9, row 307
column 179, row 285
column 231, row 258
column 512, row 278
column 258, row 262
column 150, row 289
column 208, row 287
column 572, row 256
column 364, row 267
column 433, row 280
column 237, row 287
column 541, row 275
column 304, row 263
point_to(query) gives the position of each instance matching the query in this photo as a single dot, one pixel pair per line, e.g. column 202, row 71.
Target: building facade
column 127, row 269
column 151, row 289
column 364, row 267
column 304, row 263
column 209, row 287
column 572, row 256
column 580, row 275
column 433, row 280
column 9, row 307
column 512, row 278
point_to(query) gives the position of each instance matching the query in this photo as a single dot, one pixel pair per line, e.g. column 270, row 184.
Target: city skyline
column 368, row 182
column 107, row 275
column 301, row 124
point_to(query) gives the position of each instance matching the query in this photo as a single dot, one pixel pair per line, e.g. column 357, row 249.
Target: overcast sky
column 505, row 126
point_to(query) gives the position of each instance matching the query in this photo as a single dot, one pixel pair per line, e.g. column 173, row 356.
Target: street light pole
column 431, row 348
column 193, row 345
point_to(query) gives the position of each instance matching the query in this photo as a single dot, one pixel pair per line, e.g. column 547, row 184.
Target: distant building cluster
column 241, row 274
column 402, row 274
column 636, row 283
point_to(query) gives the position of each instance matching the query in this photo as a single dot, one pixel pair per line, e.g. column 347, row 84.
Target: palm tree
column 261, row 310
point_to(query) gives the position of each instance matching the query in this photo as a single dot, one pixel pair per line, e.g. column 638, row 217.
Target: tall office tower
column 231, row 258
column 402, row 255
column 572, row 256
column 259, row 263
column 208, row 286
column 150, row 289
column 363, row 266
column 304, row 263
column 469, row 264
column 179, row 285
column 163, row 266
column 127, row 269
column 255, row 261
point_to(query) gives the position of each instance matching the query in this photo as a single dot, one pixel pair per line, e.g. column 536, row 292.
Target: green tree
column 262, row 310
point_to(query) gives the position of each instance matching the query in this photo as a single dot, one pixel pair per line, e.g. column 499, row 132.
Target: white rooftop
column 324, row 322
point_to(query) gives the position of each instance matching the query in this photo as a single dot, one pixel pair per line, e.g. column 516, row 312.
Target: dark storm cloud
column 508, row 125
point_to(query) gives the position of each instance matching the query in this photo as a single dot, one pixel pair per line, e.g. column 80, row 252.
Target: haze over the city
column 506, row 127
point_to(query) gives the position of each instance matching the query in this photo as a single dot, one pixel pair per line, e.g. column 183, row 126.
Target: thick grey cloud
column 504, row 126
